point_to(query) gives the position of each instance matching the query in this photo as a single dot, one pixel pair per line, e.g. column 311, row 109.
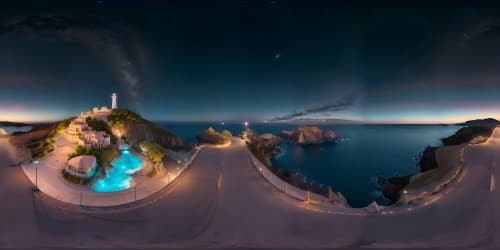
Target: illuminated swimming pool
column 120, row 176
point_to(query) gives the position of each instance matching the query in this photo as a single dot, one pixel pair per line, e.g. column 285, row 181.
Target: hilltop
column 134, row 128
column 488, row 122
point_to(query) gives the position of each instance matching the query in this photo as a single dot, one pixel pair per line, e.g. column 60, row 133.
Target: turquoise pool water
column 120, row 176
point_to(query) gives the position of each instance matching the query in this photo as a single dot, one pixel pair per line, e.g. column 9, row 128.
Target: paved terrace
column 50, row 180
column 222, row 201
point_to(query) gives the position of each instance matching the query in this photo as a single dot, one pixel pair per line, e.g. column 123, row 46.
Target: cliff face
column 488, row 122
column 466, row 134
column 145, row 130
column 308, row 135
column 267, row 144
column 393, row 187
column 428, row 159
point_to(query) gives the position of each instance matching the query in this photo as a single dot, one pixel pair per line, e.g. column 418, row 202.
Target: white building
column 96, row 139
column 82, row 166
column 82, row 134
column 103, row 109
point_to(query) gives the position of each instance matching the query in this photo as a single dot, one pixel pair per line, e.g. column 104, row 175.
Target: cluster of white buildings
column 82, row 134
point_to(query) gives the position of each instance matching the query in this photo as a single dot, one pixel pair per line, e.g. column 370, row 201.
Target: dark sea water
column 350, row 166
column 12, row 129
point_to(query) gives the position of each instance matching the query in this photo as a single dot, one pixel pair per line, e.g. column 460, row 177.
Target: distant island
column 13, row 124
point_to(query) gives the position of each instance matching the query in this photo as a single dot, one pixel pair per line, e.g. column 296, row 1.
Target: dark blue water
column 349, row 167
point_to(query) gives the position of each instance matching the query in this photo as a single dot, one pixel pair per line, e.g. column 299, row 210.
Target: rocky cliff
column 488, row 122
column 265, row 144
column 132, row 127
column 144, row 130
column 308, row 135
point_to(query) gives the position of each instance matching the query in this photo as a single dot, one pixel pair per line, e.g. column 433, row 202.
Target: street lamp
column 246, row 129
column 405, row 192
column 36, row 176
column 178, row 164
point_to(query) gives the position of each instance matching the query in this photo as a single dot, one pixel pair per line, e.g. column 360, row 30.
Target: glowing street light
column 36, row 176
column 245, row 135
column 405, row 192
column 178, row 164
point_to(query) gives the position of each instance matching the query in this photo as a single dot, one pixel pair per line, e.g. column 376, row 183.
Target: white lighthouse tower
column 113, row 101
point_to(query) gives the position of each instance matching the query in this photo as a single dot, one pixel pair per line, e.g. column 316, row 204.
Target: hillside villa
column 82, row 134
column 79, row 132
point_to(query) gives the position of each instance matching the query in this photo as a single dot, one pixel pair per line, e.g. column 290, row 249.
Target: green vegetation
column 70, row 178
column 104, row 156
column 119, row 116
column 153, row 151
column 211, row 136
column 62, row 125
column 99, row 125
column 226, row 133
column 44, row 145
column 259, row 154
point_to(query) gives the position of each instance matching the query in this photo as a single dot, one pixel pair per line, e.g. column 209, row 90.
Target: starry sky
column 395, row 62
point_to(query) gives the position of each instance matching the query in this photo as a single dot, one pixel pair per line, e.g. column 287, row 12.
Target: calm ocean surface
column 352, row 166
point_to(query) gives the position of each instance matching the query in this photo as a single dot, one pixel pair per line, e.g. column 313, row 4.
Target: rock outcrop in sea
column 304, row 135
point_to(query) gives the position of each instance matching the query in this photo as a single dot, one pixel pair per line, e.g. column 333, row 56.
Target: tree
column 153, row 151
column 227, row 133
column 99, row 125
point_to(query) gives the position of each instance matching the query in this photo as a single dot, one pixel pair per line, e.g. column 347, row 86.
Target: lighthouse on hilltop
column 113, row 101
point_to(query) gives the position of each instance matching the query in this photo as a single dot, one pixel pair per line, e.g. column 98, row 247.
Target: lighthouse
column 113, row 101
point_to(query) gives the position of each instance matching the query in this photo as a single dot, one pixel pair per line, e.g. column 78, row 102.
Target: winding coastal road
column 221, row 201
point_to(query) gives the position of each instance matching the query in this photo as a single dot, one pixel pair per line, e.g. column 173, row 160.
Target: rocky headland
column 134, row 129
column 308, row 134
column 475, row 131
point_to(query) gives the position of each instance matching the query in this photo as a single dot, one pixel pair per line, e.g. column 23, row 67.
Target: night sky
column 403, row 61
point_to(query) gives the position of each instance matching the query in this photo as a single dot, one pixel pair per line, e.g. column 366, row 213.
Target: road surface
column 221, row 201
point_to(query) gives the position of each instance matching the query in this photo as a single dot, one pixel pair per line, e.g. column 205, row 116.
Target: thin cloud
column 327, row 109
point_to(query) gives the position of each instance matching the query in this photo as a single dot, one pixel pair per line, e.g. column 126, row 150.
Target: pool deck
column 51, row 182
